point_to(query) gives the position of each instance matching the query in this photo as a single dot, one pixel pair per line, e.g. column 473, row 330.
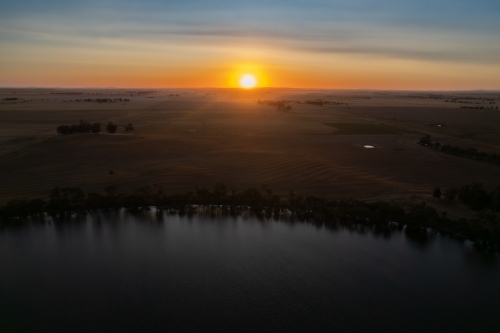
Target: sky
column 335, row 44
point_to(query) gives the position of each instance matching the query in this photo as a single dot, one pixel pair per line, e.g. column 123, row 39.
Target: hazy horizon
column 256, row 89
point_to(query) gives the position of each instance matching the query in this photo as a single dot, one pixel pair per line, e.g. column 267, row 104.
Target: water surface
column 194, row 274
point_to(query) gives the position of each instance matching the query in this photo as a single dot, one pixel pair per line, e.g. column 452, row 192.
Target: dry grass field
column 188, row 138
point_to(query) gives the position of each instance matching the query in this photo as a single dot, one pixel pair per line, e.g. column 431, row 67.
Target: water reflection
column 157, row 270
column 113, row 221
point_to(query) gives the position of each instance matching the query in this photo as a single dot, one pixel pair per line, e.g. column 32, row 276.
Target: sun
column 248, row 81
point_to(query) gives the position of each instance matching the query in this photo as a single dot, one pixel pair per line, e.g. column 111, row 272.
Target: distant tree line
column 141, row 92
column 423, row 96
column 103, row 100
column 459, row 101
column 471, row 153
column 280, row 105
column 412, row 217
column 10, row 99
column 87, row 127
column 455, row 100
column 335, row 103
column 317, row 102
column 67, row 93
column 479, row 107
column 320, row 102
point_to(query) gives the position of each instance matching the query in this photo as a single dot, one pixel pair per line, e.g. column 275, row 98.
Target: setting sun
column 248, row 81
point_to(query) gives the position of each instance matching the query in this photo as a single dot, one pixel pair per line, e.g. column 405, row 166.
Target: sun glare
column 248, row 81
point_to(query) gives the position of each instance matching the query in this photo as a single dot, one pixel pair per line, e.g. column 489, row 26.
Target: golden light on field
column 248, row 81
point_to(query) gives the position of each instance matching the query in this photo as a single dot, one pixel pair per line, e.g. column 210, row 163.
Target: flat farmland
column 189, row 138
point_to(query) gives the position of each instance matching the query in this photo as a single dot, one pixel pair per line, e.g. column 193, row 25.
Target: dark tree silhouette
column 95, row 128
column 82, row 127
column 484, row 230
column 437, row 192
column 63, row 129
column 129, row 127
column 471, row 153
column 110, row 127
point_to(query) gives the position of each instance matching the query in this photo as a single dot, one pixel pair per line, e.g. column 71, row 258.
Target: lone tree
column 437, row 192
column 129, row 127
column 110, row 127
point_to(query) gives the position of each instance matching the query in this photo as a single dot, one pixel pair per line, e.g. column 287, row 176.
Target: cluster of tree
column 317, row 102
column 82, row 127
column 67, row 93
column 320, row 102
column 103, row 100
column 454, row 100
column 174, row 95
column 335, row 103
column 142, row 92
column 280, row 105
column 87, row 127
column 10, row 99
column 473, row 196
column 423, row 96
column 417, row 217
column 479, row 107
column 482, row 99
column 471, row 153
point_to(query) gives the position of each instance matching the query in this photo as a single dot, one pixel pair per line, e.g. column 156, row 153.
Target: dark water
column 180, row 274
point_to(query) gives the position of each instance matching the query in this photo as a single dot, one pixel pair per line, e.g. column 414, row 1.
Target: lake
column 169, row 273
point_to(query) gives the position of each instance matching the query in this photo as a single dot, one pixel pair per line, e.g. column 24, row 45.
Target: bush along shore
column 484, row 230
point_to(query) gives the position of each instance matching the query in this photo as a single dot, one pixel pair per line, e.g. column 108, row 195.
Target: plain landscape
column 331, row 143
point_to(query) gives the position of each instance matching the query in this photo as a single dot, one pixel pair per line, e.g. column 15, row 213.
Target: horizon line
column 256, row 88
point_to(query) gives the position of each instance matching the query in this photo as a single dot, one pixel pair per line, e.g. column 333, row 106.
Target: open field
column 188, row 138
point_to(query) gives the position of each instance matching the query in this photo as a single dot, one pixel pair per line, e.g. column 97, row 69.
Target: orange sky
column 195, row 44
column 296, row 70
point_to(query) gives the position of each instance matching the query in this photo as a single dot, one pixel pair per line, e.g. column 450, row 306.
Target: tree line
column 478, row 107
column 471, row 153
column 473, row 196
column 87, row 127
column 103, row 100
column 282, row 105
column 279, row 105
column 320, row 102
column 484, row 230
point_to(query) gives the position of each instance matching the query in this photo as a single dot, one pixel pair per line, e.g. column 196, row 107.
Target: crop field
column 188, row 138
column 364, row 129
